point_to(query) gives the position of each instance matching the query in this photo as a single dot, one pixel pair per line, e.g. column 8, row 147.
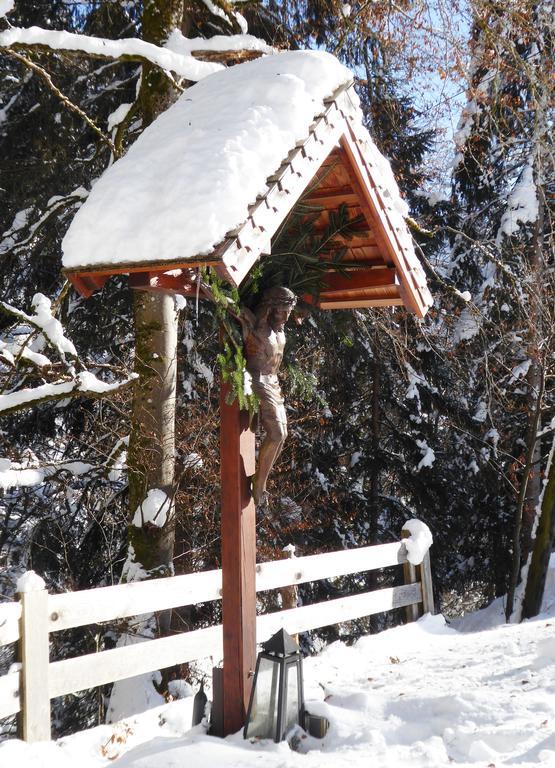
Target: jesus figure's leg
column 275, row 426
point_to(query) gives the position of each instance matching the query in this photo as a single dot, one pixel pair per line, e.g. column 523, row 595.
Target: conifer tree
column 503, row 255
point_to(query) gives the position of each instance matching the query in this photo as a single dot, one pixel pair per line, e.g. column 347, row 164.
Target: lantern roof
column 280, row 644
column 215, row 176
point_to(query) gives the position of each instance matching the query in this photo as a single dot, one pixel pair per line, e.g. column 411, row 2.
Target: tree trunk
column 152, row 442
column 542, row 543
column 375, row 476
column 528, row 468
column 372, row 577
column 530, row 484
column 537, row 368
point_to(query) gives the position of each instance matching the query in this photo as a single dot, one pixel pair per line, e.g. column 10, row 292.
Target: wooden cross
column 238, row 542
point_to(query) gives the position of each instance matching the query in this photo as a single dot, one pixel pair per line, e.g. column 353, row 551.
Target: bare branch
column 435, row 274
column 66, row 101
column 37, row 227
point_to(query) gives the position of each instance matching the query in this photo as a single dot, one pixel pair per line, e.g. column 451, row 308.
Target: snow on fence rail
column 29, row 685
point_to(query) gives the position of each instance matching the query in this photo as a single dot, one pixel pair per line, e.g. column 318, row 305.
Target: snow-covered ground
column 424, row 695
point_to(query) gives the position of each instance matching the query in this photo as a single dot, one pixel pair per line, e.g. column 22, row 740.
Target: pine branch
column 339, row 226
column 296, row 254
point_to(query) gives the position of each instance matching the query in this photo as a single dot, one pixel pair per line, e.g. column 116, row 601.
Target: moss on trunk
column 152, row 441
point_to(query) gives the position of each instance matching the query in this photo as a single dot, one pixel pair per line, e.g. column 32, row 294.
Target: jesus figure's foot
column 259, row 493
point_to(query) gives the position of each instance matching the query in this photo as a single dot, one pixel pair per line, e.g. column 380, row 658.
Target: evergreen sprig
column 301, row 258
column 231, row 358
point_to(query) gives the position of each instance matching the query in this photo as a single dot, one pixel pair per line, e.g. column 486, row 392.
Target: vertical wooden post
column 427, row 588
column 289, row 595
column 412, row 612
column 34, row 721
column 238, row 525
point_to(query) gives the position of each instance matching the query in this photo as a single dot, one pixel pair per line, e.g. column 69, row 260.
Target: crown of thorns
column 278, row 296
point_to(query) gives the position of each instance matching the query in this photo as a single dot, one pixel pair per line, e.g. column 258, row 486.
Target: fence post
column 289, row 595
column 34, row 720
column 427, row 588
column 413, row 611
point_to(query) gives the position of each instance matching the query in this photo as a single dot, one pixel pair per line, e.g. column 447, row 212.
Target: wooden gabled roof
column 336, row 163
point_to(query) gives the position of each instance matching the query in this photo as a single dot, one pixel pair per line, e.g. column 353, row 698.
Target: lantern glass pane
column 263, row 716
column 292, row 696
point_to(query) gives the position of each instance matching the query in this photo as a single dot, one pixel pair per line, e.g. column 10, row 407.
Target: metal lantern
column 277, row 700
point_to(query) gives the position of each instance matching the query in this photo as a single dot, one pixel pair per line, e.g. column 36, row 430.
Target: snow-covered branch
column 200, row 46
column 181, row 55
column 32, row 472
column 44, row 321
column 128, row 49
column 5, row 7
column 9, row 242
column 85, row 384
column 48, row 329
column 19, row 475
column 15, row 350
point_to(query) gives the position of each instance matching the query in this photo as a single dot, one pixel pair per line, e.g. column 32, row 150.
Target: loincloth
column 266, row 388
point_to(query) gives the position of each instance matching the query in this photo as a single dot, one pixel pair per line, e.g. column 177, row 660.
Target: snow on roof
column 191, row 175
column 189, row 184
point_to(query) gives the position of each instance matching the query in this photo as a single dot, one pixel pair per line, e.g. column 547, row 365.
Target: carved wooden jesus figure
column 264, row 338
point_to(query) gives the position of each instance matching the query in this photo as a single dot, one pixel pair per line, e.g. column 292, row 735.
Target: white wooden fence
column 30, row 684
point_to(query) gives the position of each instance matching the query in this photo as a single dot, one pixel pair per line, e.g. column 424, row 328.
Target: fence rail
column 29, row 685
